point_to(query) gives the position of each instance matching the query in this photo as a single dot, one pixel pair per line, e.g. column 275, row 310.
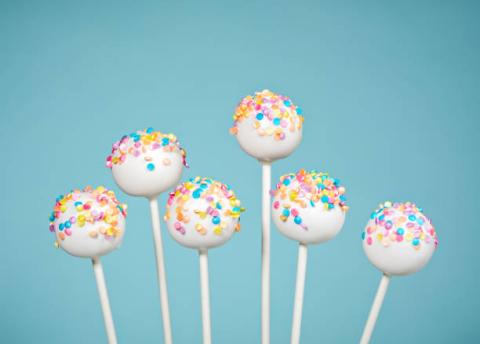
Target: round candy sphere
column 399, row 239
column 309, row 207
column 147, row 162
column 88, row 223
column 268, row 126
column 203, row 213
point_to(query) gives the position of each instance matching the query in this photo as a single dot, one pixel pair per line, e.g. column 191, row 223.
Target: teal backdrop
column 390, row 93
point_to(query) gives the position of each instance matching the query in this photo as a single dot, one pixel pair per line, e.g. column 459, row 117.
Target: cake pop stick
column 202, row 214
column 308, row 207
column 147, row 163
column 91, row 223
column 398, row 240
column 376, row 306
column 102, row 292
column 268, row 127
column 205, row 298
column 266, row 186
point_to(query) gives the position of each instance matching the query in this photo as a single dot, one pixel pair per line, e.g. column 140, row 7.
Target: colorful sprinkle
column 220, row 203
column 307, row 189
column 275, row 115
column 97, row 205
column 398, row 222
column 141, row 143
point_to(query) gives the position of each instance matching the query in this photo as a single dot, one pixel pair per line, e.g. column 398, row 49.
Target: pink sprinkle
column 68, row 231
column 276, row 205
column 294, row 212
column 399, row 238
column 178, row 225
column 52, row 228
column 284, row 123
column 73, row 219
column 369, row 240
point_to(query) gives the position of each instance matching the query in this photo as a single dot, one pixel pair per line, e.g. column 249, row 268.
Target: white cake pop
column 309, row 207
column 399, row 239
column 268, row 126
column 147, row 162
column 88, row 223
column 202, row 213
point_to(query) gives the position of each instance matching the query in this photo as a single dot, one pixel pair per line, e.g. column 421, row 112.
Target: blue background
column 391, row 103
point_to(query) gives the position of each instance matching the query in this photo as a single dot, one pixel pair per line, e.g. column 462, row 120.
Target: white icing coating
column 202, row 220
column 268, row 126
column 265, row 148
column 135, row 179
column 91, row 232
column 396, row 254
column 322, row 225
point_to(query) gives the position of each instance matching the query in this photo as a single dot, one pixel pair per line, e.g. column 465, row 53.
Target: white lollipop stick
column 377, row 304
column 162, row 278
column 266, row 186
column 299, row 289
column 205, row 295
column 102, row 292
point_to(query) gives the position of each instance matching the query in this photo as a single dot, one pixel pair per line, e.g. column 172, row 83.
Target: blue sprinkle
column 61, row 226
column 324, row 199
column 412, row 218
column 287, row 102
column 150, row 166
column 312, row 203
column 165, row 141
column 342, row 198
column 215, row 220
column 363, row 235
column 52, row 218
column 276, row 121
column 297, row 220
column 136, row 137
column 219, row 206
column 68, row 224
column 400, row 231
column 286, row 212
column 330, row 206
column 203, row 186
column 149, row 130
column 415, row 242
column 236, row 209
column 259, row 116
column 299, row 110
column 77, row 204
column 286, row 181
column 196, row 193
column 420, row 221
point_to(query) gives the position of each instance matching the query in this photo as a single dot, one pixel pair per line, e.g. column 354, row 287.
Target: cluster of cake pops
column 308, row 206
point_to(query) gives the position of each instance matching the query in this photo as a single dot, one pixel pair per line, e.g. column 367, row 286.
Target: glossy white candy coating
column 88, row 223
column 147, row 163
column 399, row 239
column 268, row 126
column 202, row 213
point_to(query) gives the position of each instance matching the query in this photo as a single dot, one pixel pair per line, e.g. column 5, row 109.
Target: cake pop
column 91, row 223
column 88, row 223
column 268, row 127
column 201, row 214
column 308, row 207
column 147, row 163
column 399, row 240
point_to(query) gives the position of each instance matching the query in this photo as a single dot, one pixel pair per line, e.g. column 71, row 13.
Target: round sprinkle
column 150, row 166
